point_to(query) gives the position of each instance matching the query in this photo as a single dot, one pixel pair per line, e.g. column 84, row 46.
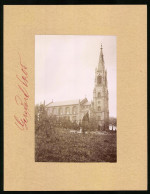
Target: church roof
column 63, row 103
column 69, row 102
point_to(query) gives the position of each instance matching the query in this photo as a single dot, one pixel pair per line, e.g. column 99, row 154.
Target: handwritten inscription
column 22, row 99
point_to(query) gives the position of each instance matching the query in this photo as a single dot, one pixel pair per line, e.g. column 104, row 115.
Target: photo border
column 46, row 2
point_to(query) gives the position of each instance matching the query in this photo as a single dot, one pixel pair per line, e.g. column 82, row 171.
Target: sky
column 65, row 67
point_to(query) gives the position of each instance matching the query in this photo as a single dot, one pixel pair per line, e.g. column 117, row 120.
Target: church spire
column 101, row 59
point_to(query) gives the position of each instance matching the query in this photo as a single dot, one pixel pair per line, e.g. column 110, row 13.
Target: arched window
column 99, row 108
column 99, row 79
column 60, row 111
column 67, row 110
column 74, row 110
column 54, row 111
column 99, row 94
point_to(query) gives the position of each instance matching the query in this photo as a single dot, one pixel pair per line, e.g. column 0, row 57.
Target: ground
column 62, row 145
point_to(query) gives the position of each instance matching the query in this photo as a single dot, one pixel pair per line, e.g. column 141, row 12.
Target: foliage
column 93, row 123
column 87, row 124
column 41, row 116
column 60, row 145
column 54, row 142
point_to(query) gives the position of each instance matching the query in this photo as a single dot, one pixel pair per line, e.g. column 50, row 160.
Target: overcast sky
column 65, row 67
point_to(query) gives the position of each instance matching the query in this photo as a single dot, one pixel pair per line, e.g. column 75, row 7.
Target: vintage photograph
column 75, row 98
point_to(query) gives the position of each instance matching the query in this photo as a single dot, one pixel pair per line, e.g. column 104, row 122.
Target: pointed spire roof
column 101, row 59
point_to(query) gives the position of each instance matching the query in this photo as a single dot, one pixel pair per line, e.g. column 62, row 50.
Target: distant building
column 74, row 110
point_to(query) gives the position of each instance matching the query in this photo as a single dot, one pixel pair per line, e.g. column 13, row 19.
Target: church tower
column 100, row 94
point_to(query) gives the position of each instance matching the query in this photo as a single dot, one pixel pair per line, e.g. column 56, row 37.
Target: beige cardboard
column 129, row 24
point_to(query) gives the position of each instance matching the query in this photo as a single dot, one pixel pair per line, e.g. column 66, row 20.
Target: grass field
column 59, row 145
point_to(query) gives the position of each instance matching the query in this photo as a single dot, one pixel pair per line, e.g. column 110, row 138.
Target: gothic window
column 99, row 118
column 74, row 110
column 98, row 102
column 50, row 111
column 67, row 110
column 54, row 111
column 99, row 108
column 60, row 111
column 99, row 94
column 99, row 79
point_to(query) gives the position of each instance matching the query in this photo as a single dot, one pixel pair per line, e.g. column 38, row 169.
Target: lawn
column 60, row 145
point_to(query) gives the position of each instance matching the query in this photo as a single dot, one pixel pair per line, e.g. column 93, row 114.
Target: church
column 74, row 110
